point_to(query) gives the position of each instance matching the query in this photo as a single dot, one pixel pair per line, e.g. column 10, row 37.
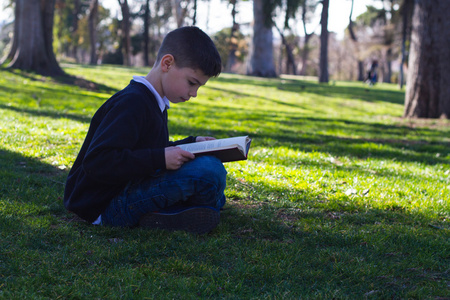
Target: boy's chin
column 179, row 100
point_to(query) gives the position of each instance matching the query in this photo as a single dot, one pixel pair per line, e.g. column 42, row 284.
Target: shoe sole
column 198, row 220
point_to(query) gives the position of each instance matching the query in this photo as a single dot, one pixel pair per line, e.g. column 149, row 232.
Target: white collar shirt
column 162, row 102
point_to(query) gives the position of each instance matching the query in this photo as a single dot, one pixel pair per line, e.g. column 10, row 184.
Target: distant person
column 127, row 173
column 372, row 74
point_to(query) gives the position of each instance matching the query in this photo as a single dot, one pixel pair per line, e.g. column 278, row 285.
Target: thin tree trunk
column 93, row 17
column 126, row 38
column 360, row 70
column 290, row 61
column 194, row 17
column 323, row 75
column 388, row 71
column 146, row 32
column 405, row 12
column 75, row 21
column 355, row 42
column 305, row 53
column 233, row 40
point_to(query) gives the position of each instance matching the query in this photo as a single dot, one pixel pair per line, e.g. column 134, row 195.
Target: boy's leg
column 200, row 182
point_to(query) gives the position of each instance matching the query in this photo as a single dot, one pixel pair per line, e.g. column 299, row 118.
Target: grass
column 340, row 197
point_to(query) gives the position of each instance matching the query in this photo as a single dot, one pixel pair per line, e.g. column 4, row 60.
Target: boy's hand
column 176, row 157
column 204, row 138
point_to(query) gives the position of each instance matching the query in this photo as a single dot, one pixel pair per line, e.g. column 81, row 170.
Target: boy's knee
column 211, row 168
column 210, row 172
column 207, row 177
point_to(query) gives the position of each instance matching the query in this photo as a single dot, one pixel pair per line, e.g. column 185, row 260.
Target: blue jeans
column 199, row 182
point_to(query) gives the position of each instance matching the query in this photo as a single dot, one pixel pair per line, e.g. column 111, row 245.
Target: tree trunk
column 32, row 48
column 194, row 17
column 355, row 42
column 179, row 12
column 233, row 39
column 93, row 20
column 387, row 74
column 74, row 30
column 323, row 75
column 428, row 81
column 290, row 60
column 146, row 33
column 126, row 38
column 261, row 57
column 305, row 52
column 15, row 41
column 405, row 24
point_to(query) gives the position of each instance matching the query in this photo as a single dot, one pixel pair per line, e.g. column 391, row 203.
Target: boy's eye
column 191, row 83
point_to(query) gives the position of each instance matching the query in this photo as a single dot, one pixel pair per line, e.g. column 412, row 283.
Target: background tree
column 428, row 81
column 67, row 19
column 74, row 30
column 308, row 8
column 180, row 11
column 291, row 67
column 93, row 20
column 32, row 47
column 146, row 36
column 221, row 39
column 83, row 30
column 406, row 12
column 290, row 7
column 261, row 52
column 323, row 72
column 126, row 27
column 232, row 41
column 354, row 38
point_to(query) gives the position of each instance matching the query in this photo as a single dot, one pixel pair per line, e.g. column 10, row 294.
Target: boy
column 127, row 172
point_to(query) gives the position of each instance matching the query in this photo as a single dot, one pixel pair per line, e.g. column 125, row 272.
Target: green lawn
column 340, row 197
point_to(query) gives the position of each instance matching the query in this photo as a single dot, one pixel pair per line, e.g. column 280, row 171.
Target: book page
column 214, row 144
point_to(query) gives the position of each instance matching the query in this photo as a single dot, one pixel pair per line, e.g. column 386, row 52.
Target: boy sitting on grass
column 127, row 172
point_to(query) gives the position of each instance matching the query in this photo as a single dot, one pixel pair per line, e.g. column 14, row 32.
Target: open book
column 229, row 149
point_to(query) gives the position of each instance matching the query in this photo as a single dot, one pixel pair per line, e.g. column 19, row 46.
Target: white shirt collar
column 162, row 102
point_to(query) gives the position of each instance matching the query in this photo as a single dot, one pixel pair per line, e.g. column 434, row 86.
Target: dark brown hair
column 192, row 48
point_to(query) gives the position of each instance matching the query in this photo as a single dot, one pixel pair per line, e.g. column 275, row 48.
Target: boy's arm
column 192, row 139
column 189, row 139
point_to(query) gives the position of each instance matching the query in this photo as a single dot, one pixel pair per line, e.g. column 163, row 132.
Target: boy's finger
column 187, row 154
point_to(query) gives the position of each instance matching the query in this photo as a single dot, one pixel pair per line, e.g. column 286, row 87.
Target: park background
column 346, row 190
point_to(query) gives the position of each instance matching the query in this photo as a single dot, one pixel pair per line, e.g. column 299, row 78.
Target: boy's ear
column 167, row 61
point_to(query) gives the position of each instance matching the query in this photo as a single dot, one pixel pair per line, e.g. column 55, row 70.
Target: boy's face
column 180, row 84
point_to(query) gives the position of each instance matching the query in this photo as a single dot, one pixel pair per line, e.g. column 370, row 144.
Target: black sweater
column 125, row 142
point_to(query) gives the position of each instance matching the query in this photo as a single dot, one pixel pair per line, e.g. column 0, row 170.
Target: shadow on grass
column 49, row 114
column 301, row 86
column 22, row 175
column 68, row 80
column 242, row 95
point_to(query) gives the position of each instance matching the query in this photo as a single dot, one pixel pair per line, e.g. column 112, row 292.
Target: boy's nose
column 193, row 93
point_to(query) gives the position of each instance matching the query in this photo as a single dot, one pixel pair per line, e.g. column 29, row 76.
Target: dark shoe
column 199, row 219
